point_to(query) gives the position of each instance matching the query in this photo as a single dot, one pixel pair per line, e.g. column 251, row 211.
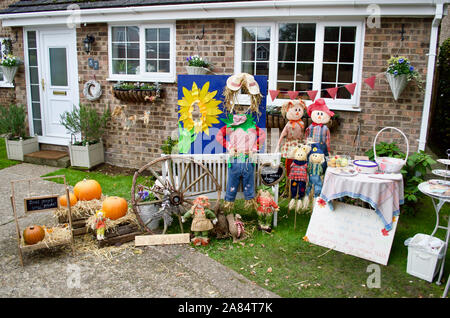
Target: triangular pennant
column 293, row 94
column 332, row 91
column 273, row 93
column 370, row 81
column 312, row 94
column 351, row 88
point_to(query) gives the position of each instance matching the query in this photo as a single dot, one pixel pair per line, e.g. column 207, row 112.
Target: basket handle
column 375, row 142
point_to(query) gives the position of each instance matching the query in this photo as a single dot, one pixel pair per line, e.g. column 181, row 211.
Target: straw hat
column 251, row 85
column 234, row 82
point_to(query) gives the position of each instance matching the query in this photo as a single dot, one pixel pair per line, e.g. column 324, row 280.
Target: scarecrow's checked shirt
column 319, row 133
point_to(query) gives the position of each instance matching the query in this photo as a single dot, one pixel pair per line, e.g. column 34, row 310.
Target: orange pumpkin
column 87, row 190
column 33, row 234
column 63, row 199
column 114, row 207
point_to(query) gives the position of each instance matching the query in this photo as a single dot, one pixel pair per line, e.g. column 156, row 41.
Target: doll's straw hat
column 251, row 85
column 234, row 82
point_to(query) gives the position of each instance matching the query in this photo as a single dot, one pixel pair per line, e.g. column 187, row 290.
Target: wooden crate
column 78, row 225
column 123, row 234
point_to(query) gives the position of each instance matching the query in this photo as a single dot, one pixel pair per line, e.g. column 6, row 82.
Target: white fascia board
column 235, row 10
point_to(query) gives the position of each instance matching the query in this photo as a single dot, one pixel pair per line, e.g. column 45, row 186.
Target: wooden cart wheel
column 172, row 182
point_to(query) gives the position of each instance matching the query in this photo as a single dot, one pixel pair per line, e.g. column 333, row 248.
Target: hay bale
column 81, row 210
column 111, row 225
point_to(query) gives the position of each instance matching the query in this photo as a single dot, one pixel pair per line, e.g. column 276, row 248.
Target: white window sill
column 6, row 85
column 119, row 78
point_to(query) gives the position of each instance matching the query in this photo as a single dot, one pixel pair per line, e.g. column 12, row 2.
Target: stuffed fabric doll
column 201, row 223
column 100, row 224
column 293, row 132
column 244, row 139
column 298, row 176
column 315, row 173
column 266, row 207
column 318, row 132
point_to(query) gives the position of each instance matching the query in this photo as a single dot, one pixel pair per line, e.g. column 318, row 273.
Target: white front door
column 58, row 81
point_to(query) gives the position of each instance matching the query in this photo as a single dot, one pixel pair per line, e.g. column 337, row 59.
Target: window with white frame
column 142, row 52
column 303, row 56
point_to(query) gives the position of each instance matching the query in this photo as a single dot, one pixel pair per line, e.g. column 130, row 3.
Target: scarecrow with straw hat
column 318, row 131
column 201, row 223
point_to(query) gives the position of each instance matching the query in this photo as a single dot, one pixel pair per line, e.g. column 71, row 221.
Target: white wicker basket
column 389, row 164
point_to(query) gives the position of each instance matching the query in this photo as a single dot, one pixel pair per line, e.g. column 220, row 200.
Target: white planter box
column 86, row 156
column 423, row 263
column 16, row 149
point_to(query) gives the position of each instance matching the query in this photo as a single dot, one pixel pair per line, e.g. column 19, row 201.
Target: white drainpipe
column 430, row 75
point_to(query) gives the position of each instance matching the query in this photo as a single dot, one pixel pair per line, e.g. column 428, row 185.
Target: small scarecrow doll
column 100, row 224
column 298, row 176
column 315, row 172
column 201, row 223
column 266, row 207
column 318, row 131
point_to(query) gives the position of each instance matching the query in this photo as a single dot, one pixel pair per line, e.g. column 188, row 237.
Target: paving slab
column 125, row 271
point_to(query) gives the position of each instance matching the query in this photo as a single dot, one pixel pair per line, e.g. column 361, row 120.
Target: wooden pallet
column 124, row 233
column 78, row 225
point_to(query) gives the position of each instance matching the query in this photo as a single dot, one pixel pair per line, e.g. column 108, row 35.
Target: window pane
column 58, row 66
column 151, row 34
column 119, row 66
column 248, row 51
column 133, row 50
column 307, row 32
column 330, row 52
column 305, row 52
column 31, row 39
column 35, row 93
column 286, row 71
column 248, row 67
column 132, row 66
column 286, row 52
column 34, row 76
column 151, row 50
column 263, row 34
column 348, row 34
column 164, row 51
column 345, row 73
column 32, row 57
column 324, row 93
column 164, row 34
column 343, row 94
column 304, row 72
column 332, row 34
column 118, row 34
column 303, row 86
column 151, row 65
column 248, row 34
column 262, row 69
column 285, row 86
column 329, row 73
column 133, row 34
column 164, row 66
column 262, row 52
column 288, row 32
column 347, row 53
column 118, row 50
column 1, row 75
column 37, row 125
column 36, row 109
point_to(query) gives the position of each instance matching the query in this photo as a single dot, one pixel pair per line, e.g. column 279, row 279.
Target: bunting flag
column 293, row 94
column 273, row 93
column 371, row 81
column 351, row 88
column 332, row 91
column 312, row 95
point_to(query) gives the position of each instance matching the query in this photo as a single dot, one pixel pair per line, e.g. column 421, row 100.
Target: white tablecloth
column 385, row 196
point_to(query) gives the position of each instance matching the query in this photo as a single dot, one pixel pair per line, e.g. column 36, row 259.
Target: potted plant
column 10, row 65
column 399, row 73
column 197, row 65
column 12, row 123
column 85, row 120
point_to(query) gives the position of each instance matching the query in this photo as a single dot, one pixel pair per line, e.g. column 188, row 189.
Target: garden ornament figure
column 266, row 207
column 315, row 173
column 318, row 131
column 100, row 224
column 201, row 223
column 298, row 176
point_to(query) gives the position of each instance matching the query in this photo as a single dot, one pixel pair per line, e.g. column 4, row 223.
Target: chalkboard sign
column 271, row 175
column 43, row 203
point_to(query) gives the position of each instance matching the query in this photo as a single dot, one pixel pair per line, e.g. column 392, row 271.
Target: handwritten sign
column 271, row 175
column 43, row 203
column 351, row 230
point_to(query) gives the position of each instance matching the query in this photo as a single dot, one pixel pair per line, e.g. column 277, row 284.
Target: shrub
column 88, row 122
column 12, row 121
column 385, row 149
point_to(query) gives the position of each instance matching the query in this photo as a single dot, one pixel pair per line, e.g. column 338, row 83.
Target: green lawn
column 4, row 161
column 295, row 262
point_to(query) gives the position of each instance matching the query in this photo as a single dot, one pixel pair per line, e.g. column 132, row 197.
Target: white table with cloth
column 367, row 233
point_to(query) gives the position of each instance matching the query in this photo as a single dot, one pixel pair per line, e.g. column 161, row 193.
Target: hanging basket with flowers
column 399, row 73
column 197, row 65
column 9, row 66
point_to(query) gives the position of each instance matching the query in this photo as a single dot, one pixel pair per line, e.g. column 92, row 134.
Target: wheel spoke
column 199, row 193
column 184, row 175
column 170, row 168
column 150, row 202
column 157, row 176
column 195, row 181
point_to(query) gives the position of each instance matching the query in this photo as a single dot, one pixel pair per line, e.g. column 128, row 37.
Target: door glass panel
column 34, row 82
column 58, row 66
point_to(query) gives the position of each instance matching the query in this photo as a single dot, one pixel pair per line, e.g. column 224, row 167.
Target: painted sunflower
column 207, row 107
